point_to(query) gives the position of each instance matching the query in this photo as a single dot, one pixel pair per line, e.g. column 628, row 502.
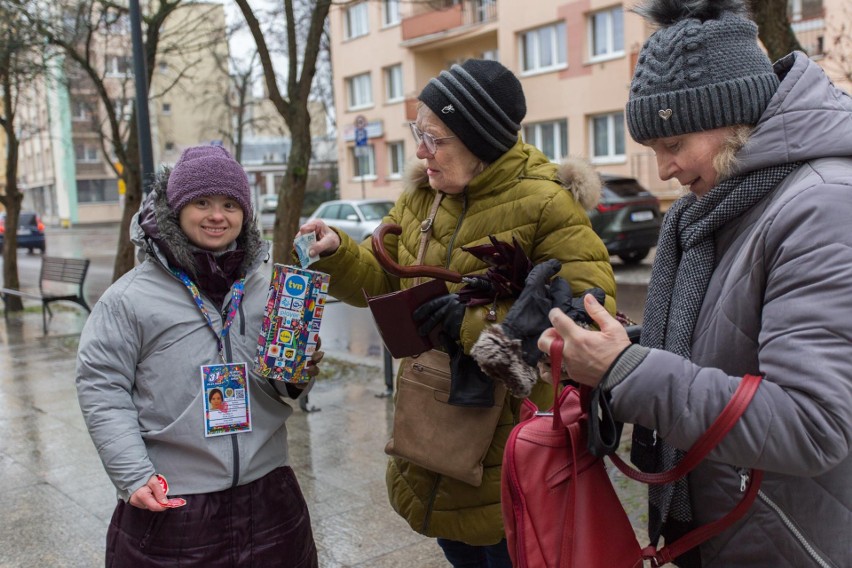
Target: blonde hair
column 725, row 162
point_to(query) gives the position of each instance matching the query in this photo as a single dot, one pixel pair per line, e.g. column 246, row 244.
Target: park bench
column 60, row 279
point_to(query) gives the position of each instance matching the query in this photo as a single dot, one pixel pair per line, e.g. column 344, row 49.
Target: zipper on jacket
column 235, row 443
column 458, row 227
column 431, row 504
column 812, row 552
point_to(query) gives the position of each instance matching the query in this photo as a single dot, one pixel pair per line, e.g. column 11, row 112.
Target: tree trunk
column 774, row 28
column 12, row 201
column 125, row 254
column 292, row 193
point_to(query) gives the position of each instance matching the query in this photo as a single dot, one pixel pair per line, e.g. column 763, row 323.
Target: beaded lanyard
column 236, row 297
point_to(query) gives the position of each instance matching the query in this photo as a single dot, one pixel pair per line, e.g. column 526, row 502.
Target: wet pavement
column 57, row 500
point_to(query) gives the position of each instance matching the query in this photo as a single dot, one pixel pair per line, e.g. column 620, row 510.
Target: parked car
column 627, row 218
column 30, row 231
column 268, row 202
column 356, row 217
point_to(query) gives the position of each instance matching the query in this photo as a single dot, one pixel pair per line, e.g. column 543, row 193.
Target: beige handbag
column 427, row 431
column 447, row 439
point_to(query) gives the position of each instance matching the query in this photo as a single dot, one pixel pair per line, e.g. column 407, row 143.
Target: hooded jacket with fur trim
column 521, row 195
column 138, row 367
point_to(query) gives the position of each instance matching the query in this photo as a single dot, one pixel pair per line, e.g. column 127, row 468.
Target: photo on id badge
column 226, row 399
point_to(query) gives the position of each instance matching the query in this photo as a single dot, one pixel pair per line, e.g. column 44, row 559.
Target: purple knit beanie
column 208, row 170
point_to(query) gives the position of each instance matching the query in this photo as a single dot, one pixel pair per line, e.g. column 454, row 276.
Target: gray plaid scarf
column 685, row 261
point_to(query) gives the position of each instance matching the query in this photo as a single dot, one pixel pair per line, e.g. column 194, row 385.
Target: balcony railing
column 456, row 16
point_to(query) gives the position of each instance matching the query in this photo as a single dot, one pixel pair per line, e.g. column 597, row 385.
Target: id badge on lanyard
column 226, row 399
column 224, row 386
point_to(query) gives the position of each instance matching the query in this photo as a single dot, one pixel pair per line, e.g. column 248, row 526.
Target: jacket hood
column 156, row 231
column 575, row 174
column 808, row 118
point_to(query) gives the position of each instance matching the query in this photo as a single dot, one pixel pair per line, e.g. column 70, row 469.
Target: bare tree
column 303, row 49
column 838, row 46
column 775, row 31
column 22, row 64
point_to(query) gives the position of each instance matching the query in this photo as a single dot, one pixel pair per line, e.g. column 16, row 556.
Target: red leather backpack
column 559, row 506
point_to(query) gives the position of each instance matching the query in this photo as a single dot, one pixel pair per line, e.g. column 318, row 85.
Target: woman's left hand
column 312, row 368
column 587, row 354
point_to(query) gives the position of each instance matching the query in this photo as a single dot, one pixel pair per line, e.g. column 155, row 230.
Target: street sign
column 360, row 137
column 360, row 121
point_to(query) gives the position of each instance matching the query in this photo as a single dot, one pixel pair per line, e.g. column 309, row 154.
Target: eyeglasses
column 426, row 139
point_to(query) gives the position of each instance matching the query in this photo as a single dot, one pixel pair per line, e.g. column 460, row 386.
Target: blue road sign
column 360, row 136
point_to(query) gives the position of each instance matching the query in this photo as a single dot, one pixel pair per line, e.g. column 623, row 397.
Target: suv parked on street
column 30, row 231
column 356, row 217
column 627, row 218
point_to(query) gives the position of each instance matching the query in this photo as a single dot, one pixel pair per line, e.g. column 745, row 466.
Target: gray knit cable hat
column 482, row 103
column 203, row 171
column 702, row 69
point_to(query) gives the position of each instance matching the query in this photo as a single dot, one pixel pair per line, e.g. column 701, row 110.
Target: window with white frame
column 393, row 83
column 360, row 91
column 549, row 137
column 79, row 110
column 85, row 153
column 357, row 20
column 119, row 65
column 390, row 12
column 363, row 161
column 606, row 34
column 123, row 109
column 544, row 49
column 607, row 137
column 396, row 159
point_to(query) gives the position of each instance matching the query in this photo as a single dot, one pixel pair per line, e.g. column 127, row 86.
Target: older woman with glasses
column 476, row 177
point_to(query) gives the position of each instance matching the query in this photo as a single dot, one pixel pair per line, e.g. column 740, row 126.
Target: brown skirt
column 263, row 523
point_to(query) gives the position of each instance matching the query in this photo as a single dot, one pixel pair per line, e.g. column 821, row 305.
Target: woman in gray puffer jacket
column 196, row 300
column 753, row 275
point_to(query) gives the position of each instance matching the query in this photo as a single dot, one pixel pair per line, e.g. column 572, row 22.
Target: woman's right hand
column 150, row 496
column 328, row 241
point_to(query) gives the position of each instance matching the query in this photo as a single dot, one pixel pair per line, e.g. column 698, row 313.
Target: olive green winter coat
column 521, row 195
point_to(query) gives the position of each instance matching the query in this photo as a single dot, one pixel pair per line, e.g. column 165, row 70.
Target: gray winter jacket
column 779, row 303
column 139, row 381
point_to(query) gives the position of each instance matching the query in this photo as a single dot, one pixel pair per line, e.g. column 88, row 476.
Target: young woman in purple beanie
column 165, row 340
column 753, row 275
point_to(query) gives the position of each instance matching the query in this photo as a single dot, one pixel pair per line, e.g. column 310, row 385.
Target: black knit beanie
column 482, row 103
column 702, row 69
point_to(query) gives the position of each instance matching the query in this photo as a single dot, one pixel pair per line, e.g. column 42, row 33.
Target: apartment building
column 575, row 60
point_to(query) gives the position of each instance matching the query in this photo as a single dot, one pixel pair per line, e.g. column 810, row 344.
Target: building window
column 123, row 109
column 549, row 137
column 357, row 20
column 396, row 159
column 606, row 34
column 393, row 83
column 79, row 111
column 169, row 146
column 360, row 91
column 119, row 66
column 363, row 162
column 167, row 108
column 163, row 66
column 97, row 190
column 544, row 49
column 607, row 137
column 86, row 153
column 485, row 10
column 390, row 12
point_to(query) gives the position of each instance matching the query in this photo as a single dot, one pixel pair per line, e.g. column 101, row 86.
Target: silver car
column 358, row 218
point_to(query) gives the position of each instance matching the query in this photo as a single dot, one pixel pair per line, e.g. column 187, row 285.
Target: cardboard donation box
column 290, row 329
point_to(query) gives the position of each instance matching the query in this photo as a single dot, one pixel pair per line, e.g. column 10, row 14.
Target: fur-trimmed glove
column 509, row 351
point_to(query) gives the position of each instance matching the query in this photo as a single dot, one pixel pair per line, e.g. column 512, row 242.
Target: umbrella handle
column 417, row 271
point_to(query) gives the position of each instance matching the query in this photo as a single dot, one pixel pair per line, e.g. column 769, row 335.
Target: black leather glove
column 527, row 318
column 446, row 311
